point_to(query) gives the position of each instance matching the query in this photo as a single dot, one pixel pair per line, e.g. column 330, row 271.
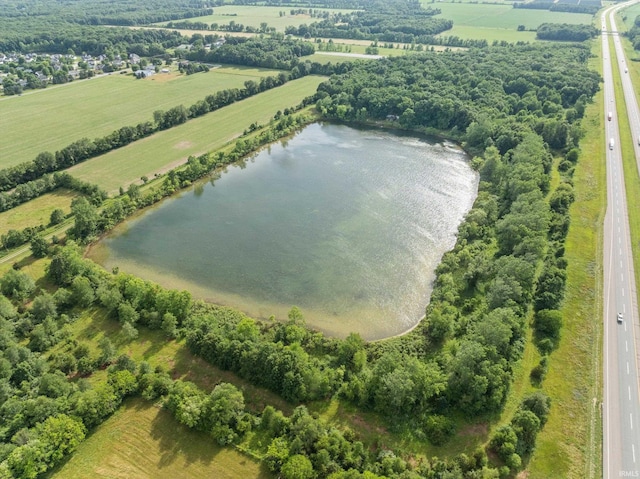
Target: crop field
column 500, row 22
column 171, row 147
column 50, row 119
column 37, row 211
column 254, row 16
column 143, row 441
column 505, row 16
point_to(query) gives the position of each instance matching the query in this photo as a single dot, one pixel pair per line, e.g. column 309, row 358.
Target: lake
column 347, row 224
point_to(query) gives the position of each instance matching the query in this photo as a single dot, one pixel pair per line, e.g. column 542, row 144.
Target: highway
column 621, row 404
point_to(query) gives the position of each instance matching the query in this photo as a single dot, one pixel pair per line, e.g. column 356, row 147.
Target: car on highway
column 619, row 317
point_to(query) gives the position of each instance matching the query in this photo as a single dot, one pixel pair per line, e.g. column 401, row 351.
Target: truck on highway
column 611, row 143
column 610, row 115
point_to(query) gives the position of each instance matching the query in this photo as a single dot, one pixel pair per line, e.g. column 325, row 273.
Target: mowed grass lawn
column 50, row 119
column 168, row 148
column 254, row 16
column 500, row 22
column 37, row 211
column 144, row 441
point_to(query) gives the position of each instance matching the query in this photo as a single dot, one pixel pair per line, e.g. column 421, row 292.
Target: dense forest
column 566, row 32
column 398, row 21
column 103, row 12
column 264, row 52
column 60, row 37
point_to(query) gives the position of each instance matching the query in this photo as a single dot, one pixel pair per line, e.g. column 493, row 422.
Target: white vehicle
column 619, row 317
column 626, row 70
column 610, row 116
column 611, row 143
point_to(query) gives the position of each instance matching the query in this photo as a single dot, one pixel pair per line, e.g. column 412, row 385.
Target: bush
column 439, row 429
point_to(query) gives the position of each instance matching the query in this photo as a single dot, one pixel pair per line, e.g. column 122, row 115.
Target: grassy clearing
column 172, row 147
column 50, row 119
column 143, row 441
column 37, row 211
column 372, row 431
column 469, row 32
column 253, row 16
column 569, row 445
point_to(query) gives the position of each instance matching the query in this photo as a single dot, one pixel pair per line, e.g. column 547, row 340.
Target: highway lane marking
column 626, row 346
column 621, row 277
column 631, row 420
column 629, row 392
column 633, row 451
column 627, row 367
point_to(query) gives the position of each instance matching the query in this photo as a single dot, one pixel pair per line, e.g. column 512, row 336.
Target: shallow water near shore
column 347, row 224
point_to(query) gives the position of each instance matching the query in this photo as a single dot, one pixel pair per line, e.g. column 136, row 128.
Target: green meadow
column 50, row 119
column 142, row 440
column 37, row 211
column 254, row 16
column 500, row 21
column 171, row 147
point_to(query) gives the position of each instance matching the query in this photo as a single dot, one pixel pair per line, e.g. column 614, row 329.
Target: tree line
column 589, row 8
column 566, row 32
column 634, row 33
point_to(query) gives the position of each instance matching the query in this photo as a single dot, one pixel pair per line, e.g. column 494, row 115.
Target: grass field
column 143, row 441
column 254, row 16
column 37, row 211
column 500, row 22
column 569, row 444
column 628, row 16
column 50, row 119
column 167, row 148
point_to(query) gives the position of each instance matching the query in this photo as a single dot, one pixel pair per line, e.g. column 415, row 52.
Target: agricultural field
column 254, row 16
column 172, row 147
column 500, row 22
column 50, row 119
column 143, row 441
column 37, row 211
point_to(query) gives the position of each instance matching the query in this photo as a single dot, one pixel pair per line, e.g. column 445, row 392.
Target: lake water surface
column 346, row 224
